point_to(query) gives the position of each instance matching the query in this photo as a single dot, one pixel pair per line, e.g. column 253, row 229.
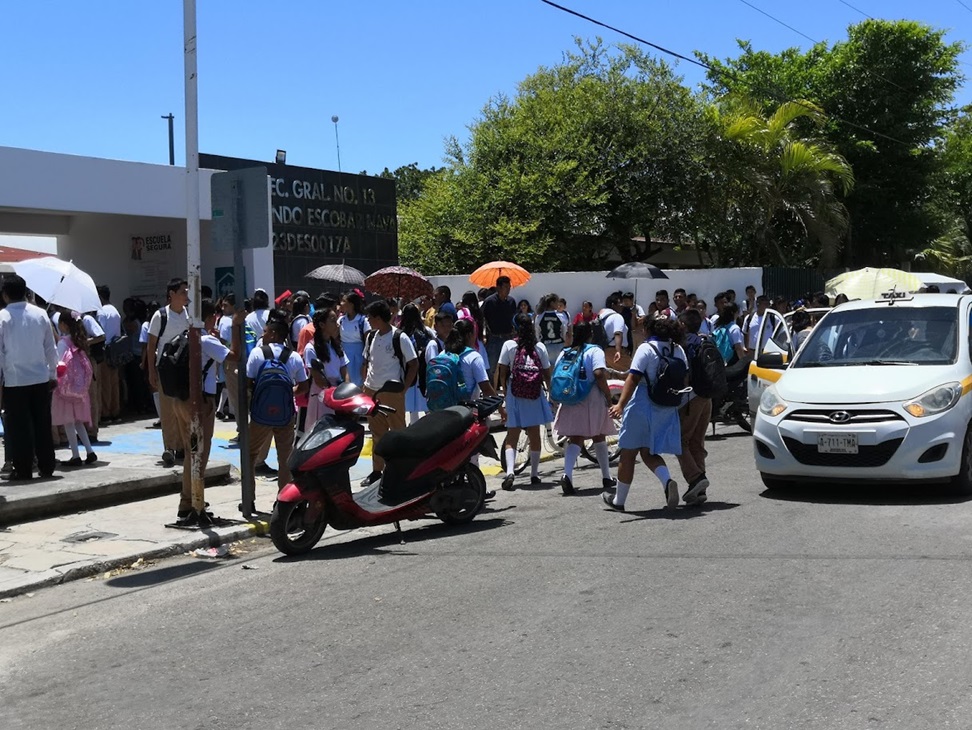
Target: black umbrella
column 637, row 270
column 338, row 273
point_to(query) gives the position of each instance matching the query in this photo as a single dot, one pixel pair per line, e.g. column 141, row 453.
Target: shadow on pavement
column 685, row 512
column 145, row 578
column 866, row 494
column 374, row 544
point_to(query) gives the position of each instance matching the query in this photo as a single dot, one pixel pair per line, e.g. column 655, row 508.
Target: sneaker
column 371, row 479
column 608, row 499
column 671, row 493
column 7, row 467
column 696, row 491
column 168, row 458
column 567, row 486
column 508, row 482
column 609, row 483
column 91, row 458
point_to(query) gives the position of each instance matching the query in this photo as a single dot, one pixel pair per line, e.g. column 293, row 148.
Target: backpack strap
column 397, row 347
column 369, row 342
column 267, row 353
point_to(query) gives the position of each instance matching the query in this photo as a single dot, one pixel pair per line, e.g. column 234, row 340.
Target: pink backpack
column 526, row 380
column 77, row 375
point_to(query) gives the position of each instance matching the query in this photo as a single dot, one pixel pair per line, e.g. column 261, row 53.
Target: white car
column 877, row 392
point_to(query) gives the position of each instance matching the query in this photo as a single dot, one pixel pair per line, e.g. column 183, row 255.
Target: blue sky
column 93, row 77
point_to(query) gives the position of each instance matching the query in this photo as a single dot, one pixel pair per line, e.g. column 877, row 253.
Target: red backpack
column 527, row 377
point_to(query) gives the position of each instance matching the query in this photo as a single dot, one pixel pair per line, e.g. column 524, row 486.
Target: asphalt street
column 826, row 607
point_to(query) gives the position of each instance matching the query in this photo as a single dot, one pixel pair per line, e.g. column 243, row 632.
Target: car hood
column 862, row 383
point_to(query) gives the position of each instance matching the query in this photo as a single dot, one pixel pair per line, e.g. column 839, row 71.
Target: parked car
column 877, row 392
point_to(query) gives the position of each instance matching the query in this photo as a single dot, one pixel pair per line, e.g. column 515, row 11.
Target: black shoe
column 608, row 499
column 535, row 481
column 609, row 483
column 490, row 494
column 567, row 486
column 157, row 424
column 16, row 476
column 91, row 458
column 180, row 455
column 371, row 479
column 72, row 462
column 265, row 470
column 508, row 483
column 168, row 458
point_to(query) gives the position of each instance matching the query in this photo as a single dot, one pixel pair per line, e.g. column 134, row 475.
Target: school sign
column 321, row 217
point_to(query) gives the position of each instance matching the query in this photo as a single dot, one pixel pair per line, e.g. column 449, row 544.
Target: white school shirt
column 613, row 323
column 27, row 352
column 473, row 372
column 382, row 363
column 225, row 327
column 646, row 359
column 212, row 349
column 294, row 365
column 110, row 321
column 332, row 368
column 355, row 330
column 593, row 360
column 509, row 351
column 176, row 323
column 257, row 321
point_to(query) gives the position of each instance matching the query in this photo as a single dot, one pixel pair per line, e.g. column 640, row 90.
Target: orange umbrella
column 487, row 274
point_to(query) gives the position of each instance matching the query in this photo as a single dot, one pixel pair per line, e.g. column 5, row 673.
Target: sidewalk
column 43, row 550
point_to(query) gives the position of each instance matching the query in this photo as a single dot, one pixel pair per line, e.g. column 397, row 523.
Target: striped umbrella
column 398, row 281
column 868, row 283
column 339, row 273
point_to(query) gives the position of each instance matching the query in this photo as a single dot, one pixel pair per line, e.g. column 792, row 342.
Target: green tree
column 409, row 179
column 887, row 92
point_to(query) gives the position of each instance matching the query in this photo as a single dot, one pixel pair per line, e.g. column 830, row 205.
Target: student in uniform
column 325, row 347
column 588, row 419
column 176, row 317
column 354, row 329
column 647, row 428
column 523, row 413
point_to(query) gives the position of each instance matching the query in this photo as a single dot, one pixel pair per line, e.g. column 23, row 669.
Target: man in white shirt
column 389, row 355
column 752, row 323
column 257, row 319
column 276, row 337
column 615, row 330
column 110, row 322
column 28, row 367
column 214, row 353
column 167, row 324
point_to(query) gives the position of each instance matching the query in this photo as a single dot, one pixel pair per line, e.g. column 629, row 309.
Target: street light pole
column 171, row 118
column 337, row 142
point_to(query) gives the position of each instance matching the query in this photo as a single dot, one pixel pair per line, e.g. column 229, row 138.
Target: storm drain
column 90, row 536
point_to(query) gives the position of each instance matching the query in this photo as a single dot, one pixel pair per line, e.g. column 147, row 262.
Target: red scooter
column 427, row 470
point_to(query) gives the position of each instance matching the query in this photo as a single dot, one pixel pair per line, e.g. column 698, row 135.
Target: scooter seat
column 427, row 435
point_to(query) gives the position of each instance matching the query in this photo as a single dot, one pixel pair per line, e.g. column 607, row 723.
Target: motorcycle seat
column 427, row 435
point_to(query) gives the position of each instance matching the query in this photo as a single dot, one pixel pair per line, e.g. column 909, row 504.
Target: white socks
column 603, row 459
column 663, row 475
column 622, row 494
column 510, row 461
column 534, row 464
column 570, row 459
column 72, row 430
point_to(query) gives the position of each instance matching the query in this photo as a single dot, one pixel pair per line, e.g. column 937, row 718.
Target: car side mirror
column 771, row 360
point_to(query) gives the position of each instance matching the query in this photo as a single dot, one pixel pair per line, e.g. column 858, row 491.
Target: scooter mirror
column 317, row 365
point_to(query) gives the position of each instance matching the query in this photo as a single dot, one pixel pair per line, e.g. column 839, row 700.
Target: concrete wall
column 594, row 286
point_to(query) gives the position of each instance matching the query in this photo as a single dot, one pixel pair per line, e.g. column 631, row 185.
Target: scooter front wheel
column 289, row 528
column 471, row 486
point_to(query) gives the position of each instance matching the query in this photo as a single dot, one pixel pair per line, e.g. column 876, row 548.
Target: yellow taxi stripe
column 967, row 385
column 773, row 375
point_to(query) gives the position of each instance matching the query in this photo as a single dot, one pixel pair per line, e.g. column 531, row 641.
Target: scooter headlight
column 937, row 400
column 770, row 403
column 316, row 439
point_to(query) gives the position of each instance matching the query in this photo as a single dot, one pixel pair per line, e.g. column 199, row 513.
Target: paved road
column 834, row 609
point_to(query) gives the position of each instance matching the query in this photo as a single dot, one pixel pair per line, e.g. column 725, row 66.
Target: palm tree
column 787, row 182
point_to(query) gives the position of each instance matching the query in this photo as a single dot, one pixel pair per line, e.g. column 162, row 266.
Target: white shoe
column 671, row 493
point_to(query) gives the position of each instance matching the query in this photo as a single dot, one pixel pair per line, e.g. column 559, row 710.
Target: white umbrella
column 59, row 282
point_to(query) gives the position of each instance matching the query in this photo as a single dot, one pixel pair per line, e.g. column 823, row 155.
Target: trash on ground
column 213, row 552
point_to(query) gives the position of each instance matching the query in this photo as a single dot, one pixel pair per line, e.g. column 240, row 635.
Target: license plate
column 837, row 443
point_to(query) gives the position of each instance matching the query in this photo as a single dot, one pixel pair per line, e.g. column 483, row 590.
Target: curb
column 86, row 568
column 58, row 502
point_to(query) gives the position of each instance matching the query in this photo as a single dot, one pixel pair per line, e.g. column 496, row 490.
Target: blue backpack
column 569, row 384
column 273, row 393
column 720, row 336
column 444, row 386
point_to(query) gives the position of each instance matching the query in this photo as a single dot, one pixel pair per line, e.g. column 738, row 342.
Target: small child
column 70, row 402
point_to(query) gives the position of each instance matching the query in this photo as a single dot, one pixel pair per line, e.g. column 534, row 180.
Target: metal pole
column 337, row 142
column 247, row 477
column 171, row 118
column 193, row 257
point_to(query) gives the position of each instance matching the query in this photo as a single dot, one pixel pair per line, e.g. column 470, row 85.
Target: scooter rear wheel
column 290, row 533
column 473, row 485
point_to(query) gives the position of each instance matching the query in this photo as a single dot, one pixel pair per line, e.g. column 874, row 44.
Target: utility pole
column 171, row 119
column 193, row 259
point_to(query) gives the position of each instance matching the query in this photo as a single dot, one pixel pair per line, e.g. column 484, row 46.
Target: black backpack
column 420, row 338
column 174, row 367
column 669, row 382
column 598, row 333
column 396, row 346
column 708, row 370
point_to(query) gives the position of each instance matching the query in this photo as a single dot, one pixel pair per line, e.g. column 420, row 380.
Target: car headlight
column 936, row 400
column 770, row 402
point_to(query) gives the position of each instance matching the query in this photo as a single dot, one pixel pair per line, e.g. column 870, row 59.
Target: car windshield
column 886, row 335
